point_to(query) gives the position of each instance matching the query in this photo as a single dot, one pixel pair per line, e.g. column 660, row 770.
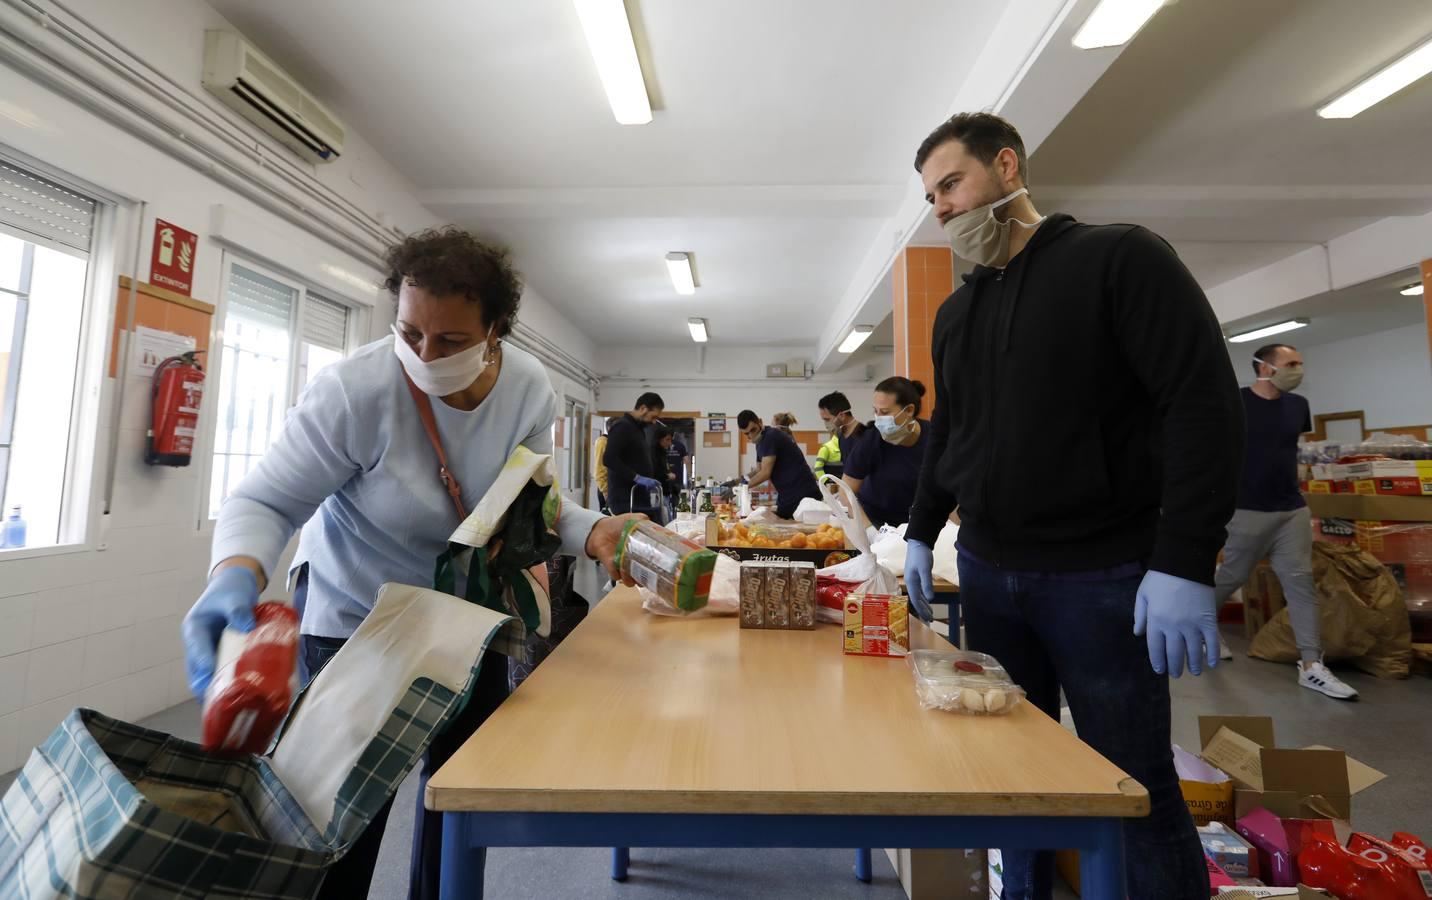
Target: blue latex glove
column 919, row 579
column 228, row 602
column 1179, row 619
column 648, row 483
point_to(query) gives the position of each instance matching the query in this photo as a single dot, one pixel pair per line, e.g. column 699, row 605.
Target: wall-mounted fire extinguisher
column 176, row 395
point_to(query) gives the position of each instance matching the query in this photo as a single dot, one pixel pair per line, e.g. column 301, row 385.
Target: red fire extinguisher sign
column 172, row 263
column 178, row 390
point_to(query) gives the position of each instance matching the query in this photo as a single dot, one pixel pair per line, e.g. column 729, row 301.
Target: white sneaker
column 1223, row 651
column 1316, row 676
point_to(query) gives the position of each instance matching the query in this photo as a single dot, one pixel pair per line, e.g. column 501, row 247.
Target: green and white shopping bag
column 104, row 809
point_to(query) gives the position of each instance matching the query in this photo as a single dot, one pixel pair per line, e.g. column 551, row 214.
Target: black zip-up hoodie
column 1086, row 412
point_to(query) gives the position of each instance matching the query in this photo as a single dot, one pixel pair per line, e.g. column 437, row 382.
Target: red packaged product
column 1413, row 876
column 254, row 682
column 1326, row 864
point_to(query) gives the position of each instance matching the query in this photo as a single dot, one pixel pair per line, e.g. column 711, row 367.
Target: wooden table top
column 940, row 585
column 642, row 713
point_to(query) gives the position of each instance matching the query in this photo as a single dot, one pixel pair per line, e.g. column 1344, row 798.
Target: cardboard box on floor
column 1278, row 779
column 937, row 874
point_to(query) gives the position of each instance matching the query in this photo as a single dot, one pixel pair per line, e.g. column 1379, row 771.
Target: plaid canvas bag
column 108, row 810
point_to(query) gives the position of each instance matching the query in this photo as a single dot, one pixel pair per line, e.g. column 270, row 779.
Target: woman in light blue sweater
column 355, row 469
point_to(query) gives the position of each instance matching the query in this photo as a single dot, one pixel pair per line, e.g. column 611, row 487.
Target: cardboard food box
column 1386, row 468
column 1207, row 791
column 1224, row 846
column 940, row 874
column 1283, row 781
column 1396, row 487
column 1301, row 892
column 821, row 557
column 877, row 625
column 1262, row 599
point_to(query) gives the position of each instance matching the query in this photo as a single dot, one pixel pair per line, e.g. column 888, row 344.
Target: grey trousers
column 1286, row 539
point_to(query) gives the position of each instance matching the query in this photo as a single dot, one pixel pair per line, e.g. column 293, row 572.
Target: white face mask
column 445, row 376
column 981, row 238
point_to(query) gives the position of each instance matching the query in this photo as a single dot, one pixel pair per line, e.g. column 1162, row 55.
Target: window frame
column 87, row 460
column 214, row 362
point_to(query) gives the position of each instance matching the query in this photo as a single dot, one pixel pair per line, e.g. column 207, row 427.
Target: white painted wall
column 1387, row 374
column 99, row 626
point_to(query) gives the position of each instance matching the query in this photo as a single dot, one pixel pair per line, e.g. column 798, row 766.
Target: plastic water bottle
column 14, row 532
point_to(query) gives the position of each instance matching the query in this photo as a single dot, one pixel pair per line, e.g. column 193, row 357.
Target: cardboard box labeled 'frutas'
column 1282, row 781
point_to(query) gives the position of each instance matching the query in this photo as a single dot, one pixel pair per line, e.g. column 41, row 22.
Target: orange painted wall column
column 924, row 278
column 1426, row 299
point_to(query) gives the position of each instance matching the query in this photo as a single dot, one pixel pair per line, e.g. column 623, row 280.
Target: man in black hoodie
column 1089, row 431
column 627, row 456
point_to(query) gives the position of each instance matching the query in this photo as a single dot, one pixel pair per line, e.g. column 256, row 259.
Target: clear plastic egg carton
column 964, row 682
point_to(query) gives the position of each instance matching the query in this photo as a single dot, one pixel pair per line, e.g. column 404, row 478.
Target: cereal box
column 877, row 625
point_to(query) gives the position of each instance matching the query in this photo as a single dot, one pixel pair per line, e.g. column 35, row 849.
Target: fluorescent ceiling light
column 857, row 336
column 609, row 38
column 1384, row 84
column 1114, row 22
column 679, row 265
column 698, row 329
column 1267, row 332
column 1414, row 290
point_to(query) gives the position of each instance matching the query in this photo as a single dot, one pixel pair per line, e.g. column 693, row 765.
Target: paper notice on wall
column 152, row 347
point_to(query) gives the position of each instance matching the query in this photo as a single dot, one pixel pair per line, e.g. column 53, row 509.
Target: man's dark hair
column 905, row 391
column 744, row 418
column 651, row 400
column 983, row 134
column 1265, row 354
column 447, row 261
column 612, row 420
column 834, row 403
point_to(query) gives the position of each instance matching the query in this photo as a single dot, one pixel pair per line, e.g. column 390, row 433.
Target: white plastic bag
column 763, row 516
column 863, row 570
column 724, row 599
column 889, row 549
column 813, row 512
column 944, row 553
column 691, row 526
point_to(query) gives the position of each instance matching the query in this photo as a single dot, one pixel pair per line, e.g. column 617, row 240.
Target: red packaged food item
column 254, row 682
column 1325, row 864
column 830, row 593
column 1413, row 877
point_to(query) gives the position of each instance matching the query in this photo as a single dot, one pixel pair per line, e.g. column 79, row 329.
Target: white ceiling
column 1365, row 308
column 781, row 145
column 1204, row 129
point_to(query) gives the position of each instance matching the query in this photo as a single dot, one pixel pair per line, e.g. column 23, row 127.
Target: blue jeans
column 1076, row 630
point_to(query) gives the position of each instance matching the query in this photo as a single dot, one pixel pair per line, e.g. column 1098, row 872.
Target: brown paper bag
column 1364, row 620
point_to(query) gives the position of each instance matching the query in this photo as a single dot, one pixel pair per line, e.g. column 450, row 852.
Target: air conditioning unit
column 249, row 82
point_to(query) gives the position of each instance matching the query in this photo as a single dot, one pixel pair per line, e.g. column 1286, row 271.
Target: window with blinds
column 276, row 336
column 45, row 235
column 44, row 210
column 254, row 383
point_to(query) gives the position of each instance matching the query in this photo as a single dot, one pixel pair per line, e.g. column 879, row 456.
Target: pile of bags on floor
column 1364, row 619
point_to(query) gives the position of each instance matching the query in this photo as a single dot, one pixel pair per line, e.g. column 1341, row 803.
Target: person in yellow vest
column 827, row 459
column 599, row 467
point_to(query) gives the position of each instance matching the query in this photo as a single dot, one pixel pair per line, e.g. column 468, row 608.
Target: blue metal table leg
column 1101, row 870
column 862, row 865
column 621, row 861
column 462, row 863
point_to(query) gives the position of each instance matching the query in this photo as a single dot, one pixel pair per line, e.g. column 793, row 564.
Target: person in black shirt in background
column 659, row 437
column 1090, row 349
column 628, row 460
column 1272, row 519
column 884, row 464
column 780, row 461
column 841, row 422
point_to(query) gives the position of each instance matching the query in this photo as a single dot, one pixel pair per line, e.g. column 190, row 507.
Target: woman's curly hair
column 446, row 261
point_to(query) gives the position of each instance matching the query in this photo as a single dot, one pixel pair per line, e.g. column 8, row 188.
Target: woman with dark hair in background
column 658, row 443
column 884, row 464
column 355, row 463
